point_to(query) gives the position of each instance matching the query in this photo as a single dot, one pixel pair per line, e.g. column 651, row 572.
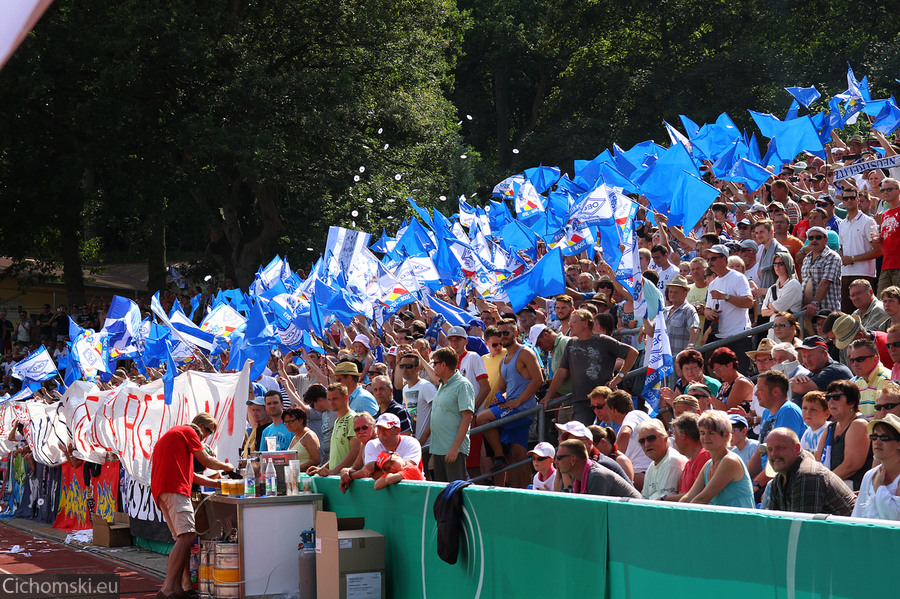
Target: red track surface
column 49, row 557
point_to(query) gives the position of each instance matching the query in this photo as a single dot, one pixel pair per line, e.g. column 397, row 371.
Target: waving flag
column 122, row 324
column 595, row 209
column 344, row 244
column 223, row 320
column 466, row 212
column 89, row 353
column 546, row 278
column 573, row 241
column 804, row 95
column 658, row 362
column 749, row 173
column 528, row 200
column 187, row 331
column 36, row 368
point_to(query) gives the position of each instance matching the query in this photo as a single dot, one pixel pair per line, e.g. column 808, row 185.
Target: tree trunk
column 501, row 106
column 70, row 252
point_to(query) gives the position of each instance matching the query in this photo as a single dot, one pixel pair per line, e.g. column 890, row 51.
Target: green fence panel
column 517, row 543
column 694, row 553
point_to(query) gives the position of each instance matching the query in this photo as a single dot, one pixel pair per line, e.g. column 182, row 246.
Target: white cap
column 457, row 332
column 535, row 332
column 543, row 450
column 576, row 429
column 388, row 421
column 364, row 340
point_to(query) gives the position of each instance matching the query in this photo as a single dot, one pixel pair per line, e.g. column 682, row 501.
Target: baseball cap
column 476, row 322
column 257, row 401
column 812, row 342
column 543, row 450
column 719, row 249
column 699, row 388
column 535, row 332
column 749, row 244
column 383, row 458
column 457, row 332
column 576, row 429
column 388, row 421
column 738, row 419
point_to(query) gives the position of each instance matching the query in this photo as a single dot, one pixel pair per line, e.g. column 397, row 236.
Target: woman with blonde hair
column 725, row 479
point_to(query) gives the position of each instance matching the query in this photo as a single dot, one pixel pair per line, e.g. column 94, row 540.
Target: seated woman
column 845, row 448
column 689, row 368
column 725, row 479
column 786, row 294
column 736, row 390
column 305, row 441
column 878, row 494
column 785, row 329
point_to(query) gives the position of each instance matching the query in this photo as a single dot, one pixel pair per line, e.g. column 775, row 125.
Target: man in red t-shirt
column 171, row 476
column 890, row 235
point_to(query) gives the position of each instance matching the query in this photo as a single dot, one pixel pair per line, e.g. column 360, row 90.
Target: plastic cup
column 272, row 443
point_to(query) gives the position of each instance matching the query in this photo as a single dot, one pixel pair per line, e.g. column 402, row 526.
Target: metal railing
column 541, row 409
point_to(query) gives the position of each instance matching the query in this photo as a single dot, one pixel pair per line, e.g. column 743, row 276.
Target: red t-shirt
column 172, row 464
column 890, row 239
column 692, row 470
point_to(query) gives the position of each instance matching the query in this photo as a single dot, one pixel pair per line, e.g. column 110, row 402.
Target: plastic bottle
column 271, row 481
column 249, row 480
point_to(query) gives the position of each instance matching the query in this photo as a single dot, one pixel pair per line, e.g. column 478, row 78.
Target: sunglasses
column 860, row 359
column 894, row 344
column 537, row 458
column 833, row 396
column 495, row 345
column 561, row 457
column 848, row 198
column 604, row 286
column 886, row 406
column 778, row 264
column 816, row 237
column 600, row 407
column 357, row 429
column 648, row 439
column 288, row 421
column 887, row 188
column 885, row 438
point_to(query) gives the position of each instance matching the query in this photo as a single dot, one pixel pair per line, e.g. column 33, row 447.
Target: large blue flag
column 804, row 95
column 547, row 278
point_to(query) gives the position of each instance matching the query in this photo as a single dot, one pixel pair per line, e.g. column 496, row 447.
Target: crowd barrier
column 530, row 544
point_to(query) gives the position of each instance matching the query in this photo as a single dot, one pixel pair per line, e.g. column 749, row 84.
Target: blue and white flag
column 187, row 331
column 122, row 325
column 179, row 279
column 36, row 368
column 528, row 201
column 658, row 361
column 223, row 320
column 467, row 213
column 595, row 209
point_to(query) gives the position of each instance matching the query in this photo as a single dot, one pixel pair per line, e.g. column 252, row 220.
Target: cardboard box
column 112, row 534
column 349, row 559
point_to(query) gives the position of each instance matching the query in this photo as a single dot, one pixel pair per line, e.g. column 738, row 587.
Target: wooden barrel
column 227, row 571
column 207, row 557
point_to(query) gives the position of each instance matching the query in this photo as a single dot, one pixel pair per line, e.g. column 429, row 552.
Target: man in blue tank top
column 520, row 378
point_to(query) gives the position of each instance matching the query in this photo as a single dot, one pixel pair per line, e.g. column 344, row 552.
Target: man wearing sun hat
column 821, row 274
column 682, row 321
column 347, row 373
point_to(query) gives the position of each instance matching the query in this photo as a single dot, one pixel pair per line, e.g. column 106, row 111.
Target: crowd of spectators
column 803, row 416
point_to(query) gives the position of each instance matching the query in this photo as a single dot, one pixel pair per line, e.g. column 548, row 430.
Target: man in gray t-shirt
column 589, row 361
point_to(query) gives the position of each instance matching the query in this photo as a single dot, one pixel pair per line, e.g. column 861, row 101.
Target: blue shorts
column 514, row 432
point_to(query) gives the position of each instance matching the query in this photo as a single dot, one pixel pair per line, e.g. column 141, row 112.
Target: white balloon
column 442, row 198
column 386, row 146
column 515, row 150
column 380, row 129
column 463, row 156
column 370, row 200
column 397, row 177
column 469, row 116
column 354, row 214
column 362, row 169
column 356, row 177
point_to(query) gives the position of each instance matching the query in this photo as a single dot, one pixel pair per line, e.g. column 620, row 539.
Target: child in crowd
column 395, row 470
column 815, row 415
column 542, row 459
